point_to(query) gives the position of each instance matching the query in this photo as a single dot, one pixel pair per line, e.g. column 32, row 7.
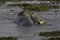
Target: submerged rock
column 23, row 21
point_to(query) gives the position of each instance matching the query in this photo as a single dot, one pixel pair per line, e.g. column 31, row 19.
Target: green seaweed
column 32, row 7
column 54, row 39
column 8, row 38
column 47, row 34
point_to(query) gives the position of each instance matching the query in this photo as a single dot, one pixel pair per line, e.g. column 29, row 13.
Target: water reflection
column 23, row 30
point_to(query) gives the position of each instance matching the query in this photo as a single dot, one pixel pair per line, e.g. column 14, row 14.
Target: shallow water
column 9, row 28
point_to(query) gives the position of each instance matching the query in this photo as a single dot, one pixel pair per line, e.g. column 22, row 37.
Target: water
column 9, row 28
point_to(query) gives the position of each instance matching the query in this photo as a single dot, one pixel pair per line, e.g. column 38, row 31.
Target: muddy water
column 9, row 28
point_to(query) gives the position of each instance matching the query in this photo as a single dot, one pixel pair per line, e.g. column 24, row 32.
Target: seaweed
column 54, row 39
column 8, row 38
column 47, row 34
